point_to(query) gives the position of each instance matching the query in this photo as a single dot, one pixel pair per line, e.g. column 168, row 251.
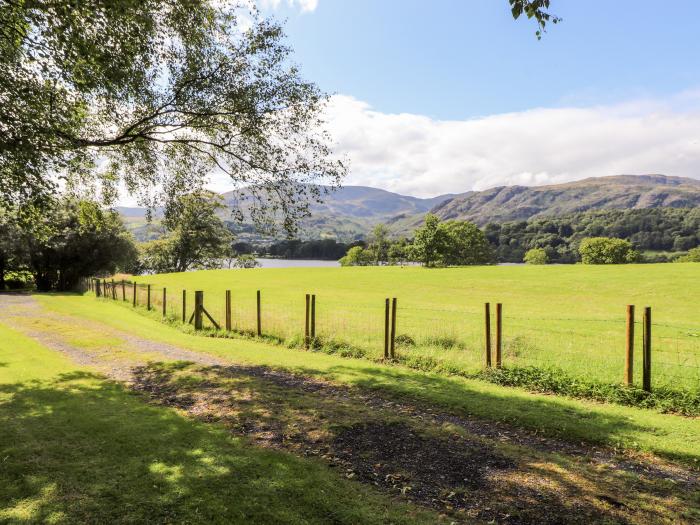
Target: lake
column 297, row 263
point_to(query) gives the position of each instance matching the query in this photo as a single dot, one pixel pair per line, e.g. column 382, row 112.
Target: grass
column 75, row 448
column 571, row 317
column 576, row 420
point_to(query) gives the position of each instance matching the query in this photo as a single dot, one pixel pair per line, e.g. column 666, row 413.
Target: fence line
column 596, row 348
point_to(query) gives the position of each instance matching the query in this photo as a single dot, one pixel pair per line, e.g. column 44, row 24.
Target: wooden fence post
column 165, row 298
column 307, row 321
column 184, row 306
column 114, row 291
column 646, row 358
column 148, row 297
column 259, row 315
column 487, row 334
column 198, row 307
column 228, row 311
column 134, row 293
column 313, row 316
column 499, row 334
column 392, row 347
column 123, row 290
column 104, row 287
column 96, row 286
column 629, row 347
column 386, row 328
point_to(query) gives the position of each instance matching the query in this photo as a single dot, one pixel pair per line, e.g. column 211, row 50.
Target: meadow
column 568, row 317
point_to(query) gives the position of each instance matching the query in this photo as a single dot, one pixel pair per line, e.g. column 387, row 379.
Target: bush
column 405, row 340
column 536, row 256
column 692, row 256
column 605, row 250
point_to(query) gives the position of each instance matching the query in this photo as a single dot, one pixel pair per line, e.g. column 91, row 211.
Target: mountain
column 508, row 203
column 350, row 212
column 345, row 214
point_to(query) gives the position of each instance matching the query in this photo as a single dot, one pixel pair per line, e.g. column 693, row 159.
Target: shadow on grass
column 550, row 416
column 80, row 449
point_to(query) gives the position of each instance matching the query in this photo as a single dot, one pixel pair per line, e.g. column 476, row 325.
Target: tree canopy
column 72, row 239
column 605, row 250
column 156, row 94
column 196, row 236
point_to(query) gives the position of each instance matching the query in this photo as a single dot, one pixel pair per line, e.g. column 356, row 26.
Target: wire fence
column 454, row 338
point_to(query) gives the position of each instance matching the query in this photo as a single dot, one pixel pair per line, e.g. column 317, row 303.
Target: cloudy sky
column 453, row 95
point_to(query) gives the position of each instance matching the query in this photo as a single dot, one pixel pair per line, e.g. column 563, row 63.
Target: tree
column 429, row 242
column 12, row 249
column 75, row 239
column 398, row 252
column 158, row 94
column 605, row 250
column 196, row 237
column 692, row 256
column 356, row 256
column 245, row 260
column 536, row 256
column 466, row 244
column 379, row 244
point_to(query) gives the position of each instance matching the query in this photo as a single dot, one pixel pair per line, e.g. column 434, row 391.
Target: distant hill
column 350, row 212
column 509, row 203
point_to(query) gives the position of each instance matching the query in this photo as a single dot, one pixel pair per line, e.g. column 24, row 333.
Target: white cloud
column 417, row 155
column 304, row 5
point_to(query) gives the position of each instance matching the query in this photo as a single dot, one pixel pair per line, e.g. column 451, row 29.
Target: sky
column 440, row 96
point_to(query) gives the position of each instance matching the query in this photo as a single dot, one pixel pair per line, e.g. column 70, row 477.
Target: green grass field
column 572, row 317
column 76, row 448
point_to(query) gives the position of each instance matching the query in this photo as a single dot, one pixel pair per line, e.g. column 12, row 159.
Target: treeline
column 323, row 249
column 656, row 229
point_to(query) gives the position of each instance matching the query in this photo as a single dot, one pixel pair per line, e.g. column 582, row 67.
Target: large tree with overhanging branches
column 155, row 95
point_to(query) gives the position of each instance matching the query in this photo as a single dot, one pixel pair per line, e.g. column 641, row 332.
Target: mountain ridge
column 348, row 213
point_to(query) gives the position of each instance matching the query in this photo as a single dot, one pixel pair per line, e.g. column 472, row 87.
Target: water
column 297, row 263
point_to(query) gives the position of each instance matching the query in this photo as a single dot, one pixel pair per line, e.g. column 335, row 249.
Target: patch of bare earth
column 468, row 469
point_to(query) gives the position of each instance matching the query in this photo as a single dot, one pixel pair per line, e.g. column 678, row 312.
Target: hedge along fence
column 435, row 344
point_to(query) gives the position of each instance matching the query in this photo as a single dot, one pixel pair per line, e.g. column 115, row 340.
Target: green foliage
column 654, row 229
column 556, row 381
column 536, row 9
column 604, row 250
column 450, row 243
column 72, row 239
column 692, row 256
column 429, row 242
column 196, row 239
column 356, row 256
column 160, row 93
column 245, row 261
column 379, row 244
column 536, row 256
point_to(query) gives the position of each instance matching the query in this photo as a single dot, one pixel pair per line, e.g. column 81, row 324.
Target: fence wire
column 452, row 337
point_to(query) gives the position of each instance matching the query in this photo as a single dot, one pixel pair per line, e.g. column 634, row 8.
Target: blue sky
column 447, row 96
column 454, row 59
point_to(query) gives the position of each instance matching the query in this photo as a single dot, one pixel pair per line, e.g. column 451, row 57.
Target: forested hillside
column 656, row 229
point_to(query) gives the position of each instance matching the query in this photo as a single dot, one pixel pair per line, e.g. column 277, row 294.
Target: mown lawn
column 75, row 448
column 572, row 316
column 622, row 427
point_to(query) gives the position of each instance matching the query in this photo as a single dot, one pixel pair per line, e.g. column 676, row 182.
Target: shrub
column 692, row 256
column 536, row 256
column 405, row 340
column 605, row 250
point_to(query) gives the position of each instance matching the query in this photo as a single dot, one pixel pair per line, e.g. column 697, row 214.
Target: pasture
column 570, row 317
